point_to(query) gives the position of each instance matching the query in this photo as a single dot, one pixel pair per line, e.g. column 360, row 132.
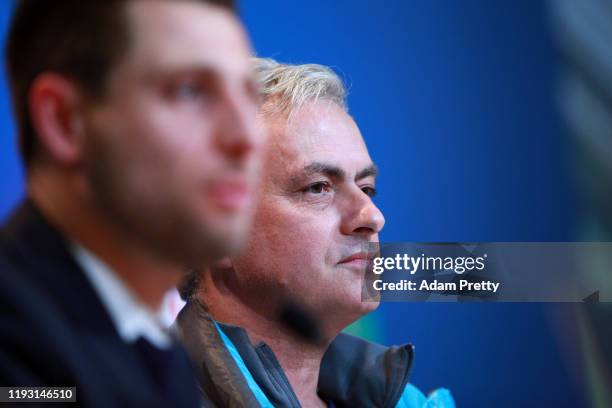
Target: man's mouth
column 357, row 259
column 230, row 194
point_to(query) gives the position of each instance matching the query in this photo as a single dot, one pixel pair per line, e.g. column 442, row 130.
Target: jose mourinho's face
column 173, row 148
column 315, row 216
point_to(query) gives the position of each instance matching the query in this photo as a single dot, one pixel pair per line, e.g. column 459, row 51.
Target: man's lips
column 360, row 258
column 230, row 194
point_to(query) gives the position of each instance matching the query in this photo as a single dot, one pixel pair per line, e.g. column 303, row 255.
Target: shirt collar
column 131, row 317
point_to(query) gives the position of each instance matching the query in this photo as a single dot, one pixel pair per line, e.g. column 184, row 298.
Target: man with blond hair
column 307, row 247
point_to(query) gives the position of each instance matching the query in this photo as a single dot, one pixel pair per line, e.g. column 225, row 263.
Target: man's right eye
column 188, row 90
column 320, row 187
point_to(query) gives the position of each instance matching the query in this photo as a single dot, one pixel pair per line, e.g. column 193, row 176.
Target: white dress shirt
column 131, row 317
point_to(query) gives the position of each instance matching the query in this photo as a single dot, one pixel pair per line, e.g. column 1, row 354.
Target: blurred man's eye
column 188, row 90
column 192, row 89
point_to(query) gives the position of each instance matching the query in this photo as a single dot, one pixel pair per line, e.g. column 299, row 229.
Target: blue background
column 456, row 101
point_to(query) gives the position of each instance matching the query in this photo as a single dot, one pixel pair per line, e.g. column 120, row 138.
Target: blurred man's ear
column 57, row 121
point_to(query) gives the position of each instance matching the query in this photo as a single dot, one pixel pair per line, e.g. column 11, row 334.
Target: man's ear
column 56, row 117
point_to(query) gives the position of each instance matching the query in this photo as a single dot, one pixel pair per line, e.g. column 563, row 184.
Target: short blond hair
column 284, row 88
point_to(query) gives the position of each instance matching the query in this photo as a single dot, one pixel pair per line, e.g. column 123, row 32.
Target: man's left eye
column 370, row 191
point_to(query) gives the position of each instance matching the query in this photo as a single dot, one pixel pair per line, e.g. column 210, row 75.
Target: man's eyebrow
column 333, row 171
column 371, row 170
column 327, row 169
column 200, row 70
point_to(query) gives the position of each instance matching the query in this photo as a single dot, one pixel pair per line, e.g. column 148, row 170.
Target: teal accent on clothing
column 257, row 391
column 412, row 397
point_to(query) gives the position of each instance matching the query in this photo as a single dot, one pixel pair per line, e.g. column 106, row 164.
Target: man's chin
column 227, row 238
column 354, row 307
column 362, row 307
column 200, row 245
column 369, row 306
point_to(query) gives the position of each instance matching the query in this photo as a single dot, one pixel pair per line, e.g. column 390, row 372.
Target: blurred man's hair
column 80, row 39
column 285, row 87
column 188, row 286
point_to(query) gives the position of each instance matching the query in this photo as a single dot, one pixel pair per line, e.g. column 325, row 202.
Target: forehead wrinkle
column 290, row 140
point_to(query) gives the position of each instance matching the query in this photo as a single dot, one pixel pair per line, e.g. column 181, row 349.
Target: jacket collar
column 219, row 378
column 42, row 251
column 354, row 372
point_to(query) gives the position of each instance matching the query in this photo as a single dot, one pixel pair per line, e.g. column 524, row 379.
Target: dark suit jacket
column 54, row 330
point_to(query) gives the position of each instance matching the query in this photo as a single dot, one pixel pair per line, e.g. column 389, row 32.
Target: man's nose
column 362, row 216
column 237, row 133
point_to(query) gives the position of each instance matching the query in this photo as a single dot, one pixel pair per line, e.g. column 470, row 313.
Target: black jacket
column 54, row 330
column 354, row 372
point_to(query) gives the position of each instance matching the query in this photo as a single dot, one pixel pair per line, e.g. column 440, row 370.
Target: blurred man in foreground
column 308, row 244
column 136, row 122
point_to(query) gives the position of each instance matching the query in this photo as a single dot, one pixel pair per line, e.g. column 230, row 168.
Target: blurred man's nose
column 237, row 134
column 362, row 216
